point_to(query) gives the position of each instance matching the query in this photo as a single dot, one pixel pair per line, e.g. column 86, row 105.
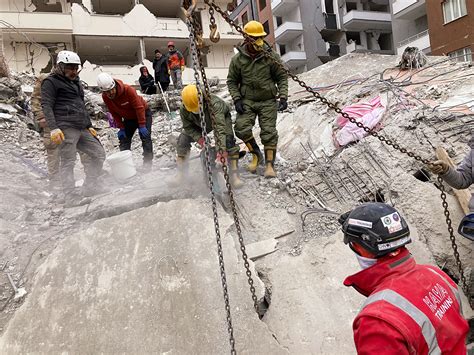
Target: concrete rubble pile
column 138, row 263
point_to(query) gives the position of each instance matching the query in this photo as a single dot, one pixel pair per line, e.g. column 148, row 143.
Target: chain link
column 219, row 144
column 371, row 132
column 195, row 57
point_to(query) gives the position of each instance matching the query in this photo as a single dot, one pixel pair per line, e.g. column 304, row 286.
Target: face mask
column 259, row 42
column 365, row 262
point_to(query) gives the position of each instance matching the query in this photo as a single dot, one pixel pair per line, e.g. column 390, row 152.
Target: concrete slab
column 143, row 282
column 259, row 249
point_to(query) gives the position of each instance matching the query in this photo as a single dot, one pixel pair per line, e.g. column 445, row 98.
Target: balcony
column 294, row 59
column 288, row 31
column 39, row 26
column 115, row 25
column 358, row 21
column 420, row 40
column 282, row 7
column 408, row 9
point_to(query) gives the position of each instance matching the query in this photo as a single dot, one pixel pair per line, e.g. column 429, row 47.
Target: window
column 282, row 49
column 262, row 3
column 279, row 21
column 462, row 55
column 453, row 9
column 245, row 18
column 266, row 27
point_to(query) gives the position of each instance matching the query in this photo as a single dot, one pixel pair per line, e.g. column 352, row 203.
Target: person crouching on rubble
column 130, row 112
column 147, row 82
column 410, row 308
column 62, row 102
column 192, row 132
column 460, row 178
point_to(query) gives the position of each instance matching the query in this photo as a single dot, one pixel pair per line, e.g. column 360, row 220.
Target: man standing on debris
column 147, row 83
column 130, row 112
column 162, row 74
column 176, row 65
column 192, row 132
column 254, row 80
column 410, row 308
column 62, row 101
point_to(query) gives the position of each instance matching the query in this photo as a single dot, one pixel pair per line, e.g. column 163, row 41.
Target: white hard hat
column 68, row 57
column 105, row 82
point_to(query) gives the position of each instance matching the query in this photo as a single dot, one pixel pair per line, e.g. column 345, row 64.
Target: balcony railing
column 412, row 38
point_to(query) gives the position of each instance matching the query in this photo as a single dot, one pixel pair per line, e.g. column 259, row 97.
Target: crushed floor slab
column 146, row 281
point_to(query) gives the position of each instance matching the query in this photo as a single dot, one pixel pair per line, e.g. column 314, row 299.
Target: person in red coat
column 130, row 112
column 410, row 308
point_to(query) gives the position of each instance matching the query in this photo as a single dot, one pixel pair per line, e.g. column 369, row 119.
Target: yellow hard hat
column 254, row 29
column 190, row 98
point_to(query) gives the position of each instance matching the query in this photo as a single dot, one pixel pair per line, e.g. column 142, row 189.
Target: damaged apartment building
column 309, row 33
column 115, row 36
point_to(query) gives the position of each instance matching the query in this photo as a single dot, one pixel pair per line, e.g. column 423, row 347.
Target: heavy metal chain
column 464, row 283
column 370, row 131
column 220, row 252
column 225, row 170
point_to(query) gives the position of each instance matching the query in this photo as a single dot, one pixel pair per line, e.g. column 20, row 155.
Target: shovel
column 170, row 114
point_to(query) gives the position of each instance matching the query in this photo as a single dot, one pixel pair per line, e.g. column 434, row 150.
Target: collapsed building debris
column 317, row 180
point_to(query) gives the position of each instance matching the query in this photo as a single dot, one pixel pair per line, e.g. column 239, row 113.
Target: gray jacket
column 62, row 101
column 463, row 176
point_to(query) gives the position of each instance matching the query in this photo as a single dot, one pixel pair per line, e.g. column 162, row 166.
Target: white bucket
column 122, row 165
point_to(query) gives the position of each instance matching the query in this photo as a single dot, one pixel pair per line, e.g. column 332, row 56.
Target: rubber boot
column 270, row 153
column 257, row 158
column 234, row 176
column 182, row 165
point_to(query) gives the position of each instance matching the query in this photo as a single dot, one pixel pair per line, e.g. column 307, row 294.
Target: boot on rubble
column 257, row 158
column 182, row 166
column 270, row 154
column 234, row 176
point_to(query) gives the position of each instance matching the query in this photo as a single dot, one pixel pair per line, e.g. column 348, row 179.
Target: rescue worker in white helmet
column 192, row 132
column 62, row 102
column 410, row 308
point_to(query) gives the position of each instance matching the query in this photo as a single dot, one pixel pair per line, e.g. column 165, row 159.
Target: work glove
column 144, row 132
column 93, row 132
column 121, row 134
column 219, row 156
column 283, row 105
column 182, row 68
column 202, row 142
column 239, row 106
column 438, row 167
column 57, row 136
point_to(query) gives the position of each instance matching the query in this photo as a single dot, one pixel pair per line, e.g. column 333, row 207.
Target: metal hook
column 215, row 35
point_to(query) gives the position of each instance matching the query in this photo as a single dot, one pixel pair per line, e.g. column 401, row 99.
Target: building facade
column 115, row 36
column 309, row 33
column 410, row 25
column 244, row 11
column 451, row 28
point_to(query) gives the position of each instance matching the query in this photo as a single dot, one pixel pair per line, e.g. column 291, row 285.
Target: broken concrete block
column 259, row 249
column 142, row 282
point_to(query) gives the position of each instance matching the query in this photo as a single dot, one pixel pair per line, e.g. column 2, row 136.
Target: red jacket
column 410, row 309
column 127, row 105
column 175, row 60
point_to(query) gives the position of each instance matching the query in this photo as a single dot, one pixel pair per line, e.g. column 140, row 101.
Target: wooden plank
column 464, row 195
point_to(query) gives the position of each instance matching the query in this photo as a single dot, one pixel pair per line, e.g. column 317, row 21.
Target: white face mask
column 365, row 262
